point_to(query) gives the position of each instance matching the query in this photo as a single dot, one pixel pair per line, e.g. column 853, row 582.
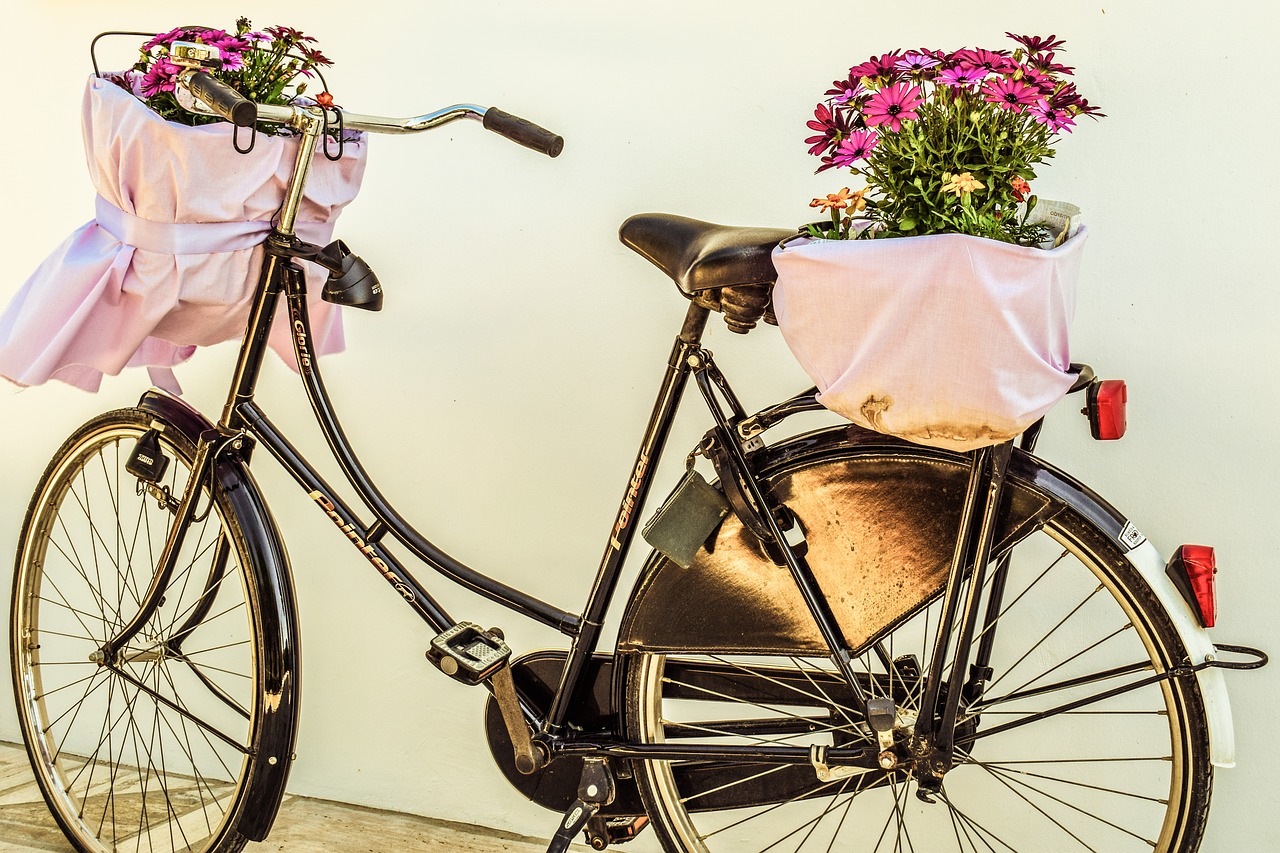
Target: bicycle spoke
column 997, row 766
column 969, row 823
column 183, row 711
column 1005, row 775
column 1046, row 815
column 1010, row 668
column 1071, row 659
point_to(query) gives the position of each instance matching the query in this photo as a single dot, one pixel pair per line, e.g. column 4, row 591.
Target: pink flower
column 995, row 62
column 829, row 124
column 1036, row 44
column 892, row 106
column 166, row 39
column 1010, row 94
column 1036, row 77
column 915, row 62
column 877, row 66
column 159, row 78
column 963, row 77
column 1055, row 118
column 1045, row 63
column 856, row 146
column 844, row 91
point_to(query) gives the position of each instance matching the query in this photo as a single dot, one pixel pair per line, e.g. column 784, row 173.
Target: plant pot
column 170, row 260
column 947, row 340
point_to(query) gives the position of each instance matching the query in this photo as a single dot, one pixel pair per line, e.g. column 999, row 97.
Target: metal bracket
column 818, row 758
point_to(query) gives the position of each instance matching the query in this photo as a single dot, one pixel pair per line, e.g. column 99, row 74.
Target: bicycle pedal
column 468, row 653
column 603, row 831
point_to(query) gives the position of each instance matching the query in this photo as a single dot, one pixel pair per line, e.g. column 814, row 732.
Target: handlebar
column 222, row 99
column 228, row 104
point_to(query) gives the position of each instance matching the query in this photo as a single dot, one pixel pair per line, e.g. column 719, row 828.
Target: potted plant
column 933, row 302
column 169, row 260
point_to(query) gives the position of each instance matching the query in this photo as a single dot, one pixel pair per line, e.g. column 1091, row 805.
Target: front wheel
column 151, row 752
column 1127, row 773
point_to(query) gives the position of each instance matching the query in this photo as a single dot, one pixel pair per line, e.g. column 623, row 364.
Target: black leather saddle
column 700, row 256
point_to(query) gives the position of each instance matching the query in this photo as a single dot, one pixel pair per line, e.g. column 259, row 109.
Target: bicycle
column 937, row 690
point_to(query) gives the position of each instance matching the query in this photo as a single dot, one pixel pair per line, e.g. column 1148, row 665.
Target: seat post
column 695, row 323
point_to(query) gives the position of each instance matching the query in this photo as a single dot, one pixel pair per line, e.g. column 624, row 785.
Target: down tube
column 386, row 515
column 365, row 540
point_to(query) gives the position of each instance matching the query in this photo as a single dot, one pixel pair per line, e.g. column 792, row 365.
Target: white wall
column 520, row 342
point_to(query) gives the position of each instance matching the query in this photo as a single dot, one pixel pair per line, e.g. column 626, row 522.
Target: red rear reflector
column 1192, row 570
column 1105, row 407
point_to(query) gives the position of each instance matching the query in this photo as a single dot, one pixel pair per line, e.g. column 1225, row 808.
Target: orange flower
column 833, row 201
column 960, row 184
column 842, row 200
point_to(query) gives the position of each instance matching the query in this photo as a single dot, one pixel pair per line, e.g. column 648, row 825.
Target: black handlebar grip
column 523, row 131
column 224, row 100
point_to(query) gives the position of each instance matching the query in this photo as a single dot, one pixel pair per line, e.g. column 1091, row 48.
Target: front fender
column 908, row 497
column 272, row 579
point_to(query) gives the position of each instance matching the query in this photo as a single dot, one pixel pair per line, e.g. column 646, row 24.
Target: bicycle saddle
column 701, row 255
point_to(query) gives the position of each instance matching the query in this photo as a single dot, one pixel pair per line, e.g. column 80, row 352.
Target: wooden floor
column 304, row 825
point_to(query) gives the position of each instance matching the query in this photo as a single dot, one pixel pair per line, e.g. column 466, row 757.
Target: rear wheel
column 1130, row 772
column 153, row 752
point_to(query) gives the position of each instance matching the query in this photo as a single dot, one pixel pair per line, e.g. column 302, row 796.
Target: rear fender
column 271, row 575
column 908, row 498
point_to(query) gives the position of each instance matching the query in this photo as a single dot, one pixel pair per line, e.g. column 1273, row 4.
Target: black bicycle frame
column 243, row 419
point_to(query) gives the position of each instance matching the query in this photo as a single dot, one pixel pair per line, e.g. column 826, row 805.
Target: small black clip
column 341, row 141
column 235, row 139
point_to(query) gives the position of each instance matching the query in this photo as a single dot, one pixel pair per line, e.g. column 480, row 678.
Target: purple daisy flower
column 166, row 39
column 315, row 57
column 877, row 66
column 1046, row 64
column 1036, row 44
column 231, row 43
column 844, row 91
column 1010, row 94
column 1056, row 119
column 1036, row 77
column 288, row 34
column 830, row 126
column 993, row 61
column 856, row 146
column 1068, row 98
column 892, row 106
column 915, row 62
column 963, row 77
column 159, row 78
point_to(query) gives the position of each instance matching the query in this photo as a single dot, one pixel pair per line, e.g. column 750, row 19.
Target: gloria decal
column 300, row 341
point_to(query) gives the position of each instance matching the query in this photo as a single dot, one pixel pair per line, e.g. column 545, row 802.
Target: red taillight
column 1192, row 569
column 1105, row 406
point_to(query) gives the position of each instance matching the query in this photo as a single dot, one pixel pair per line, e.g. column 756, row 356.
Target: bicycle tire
column 1132, row 772
column 155, row 753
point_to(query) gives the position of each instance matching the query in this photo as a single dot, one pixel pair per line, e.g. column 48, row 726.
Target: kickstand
column 595, row 790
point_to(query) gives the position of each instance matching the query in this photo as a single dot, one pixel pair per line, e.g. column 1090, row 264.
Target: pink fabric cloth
column 170, row 260
column 946, row 340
